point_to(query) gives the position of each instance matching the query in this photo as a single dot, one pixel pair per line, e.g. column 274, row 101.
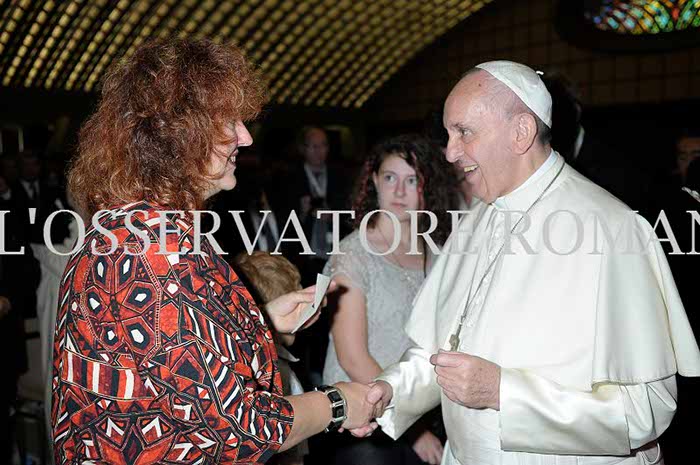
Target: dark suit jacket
column 337, row 195
column 228, row 236
column 45, row 203
column 19, row 277
column 614, row 172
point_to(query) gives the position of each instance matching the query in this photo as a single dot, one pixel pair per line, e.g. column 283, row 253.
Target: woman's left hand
column 428, row 447
column 285, row 311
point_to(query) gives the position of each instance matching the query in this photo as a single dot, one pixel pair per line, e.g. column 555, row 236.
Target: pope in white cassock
column 546, row 336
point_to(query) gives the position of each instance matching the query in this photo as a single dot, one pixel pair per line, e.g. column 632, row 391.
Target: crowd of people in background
column 361, row 332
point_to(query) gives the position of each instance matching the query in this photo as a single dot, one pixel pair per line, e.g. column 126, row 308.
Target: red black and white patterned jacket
column 161, row 357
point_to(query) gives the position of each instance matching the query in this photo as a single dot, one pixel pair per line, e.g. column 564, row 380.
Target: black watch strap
column 339, row 407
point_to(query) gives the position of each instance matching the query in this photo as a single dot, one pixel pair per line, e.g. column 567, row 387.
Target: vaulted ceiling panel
column 333, row 53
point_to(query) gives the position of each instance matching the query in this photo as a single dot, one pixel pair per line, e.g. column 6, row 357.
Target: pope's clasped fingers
column 468, row 380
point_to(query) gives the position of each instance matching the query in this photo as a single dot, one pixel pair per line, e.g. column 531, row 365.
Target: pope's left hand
column 468, row 380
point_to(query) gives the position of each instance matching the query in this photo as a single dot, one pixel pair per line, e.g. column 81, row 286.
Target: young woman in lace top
column 376, row 289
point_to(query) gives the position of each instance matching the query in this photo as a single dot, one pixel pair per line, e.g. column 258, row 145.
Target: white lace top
column 389, row 291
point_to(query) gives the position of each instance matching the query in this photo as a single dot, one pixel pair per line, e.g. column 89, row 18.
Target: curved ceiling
column 335, row 53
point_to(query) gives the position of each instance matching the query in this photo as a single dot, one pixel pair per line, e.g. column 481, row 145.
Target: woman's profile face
column 397, row 187
column 223, row 159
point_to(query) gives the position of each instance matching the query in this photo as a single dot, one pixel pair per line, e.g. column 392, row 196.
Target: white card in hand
column 322, row 283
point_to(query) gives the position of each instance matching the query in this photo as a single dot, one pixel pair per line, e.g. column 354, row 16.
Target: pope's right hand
column 379, row 396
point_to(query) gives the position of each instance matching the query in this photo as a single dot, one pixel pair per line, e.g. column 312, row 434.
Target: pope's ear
column 525, row 132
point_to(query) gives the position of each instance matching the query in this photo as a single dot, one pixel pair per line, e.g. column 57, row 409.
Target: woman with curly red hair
column 400, row 174
column 160, row 352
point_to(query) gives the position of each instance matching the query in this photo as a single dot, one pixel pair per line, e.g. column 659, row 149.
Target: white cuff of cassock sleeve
column 415, row 391
column 566, row 421
column 389, row 421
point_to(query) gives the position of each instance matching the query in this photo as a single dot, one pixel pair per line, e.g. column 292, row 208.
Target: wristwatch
column 339, row 407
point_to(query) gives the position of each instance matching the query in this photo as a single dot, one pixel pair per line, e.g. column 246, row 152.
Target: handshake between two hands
column 365, row 403
column 465, row 379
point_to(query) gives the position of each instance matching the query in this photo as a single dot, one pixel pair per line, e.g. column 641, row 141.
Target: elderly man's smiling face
column 480, row 135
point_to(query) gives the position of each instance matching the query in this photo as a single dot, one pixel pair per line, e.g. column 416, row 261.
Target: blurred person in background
column 269, row 277
column 589, row 154
column 52, row 263
column 32, row 191
column 19, row 276
column 687, row 151
column 12, row 344
column 251, row 198
column 316, row 185
column 678, row 200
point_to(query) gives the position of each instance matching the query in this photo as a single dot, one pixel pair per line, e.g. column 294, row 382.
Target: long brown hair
column 160, row 114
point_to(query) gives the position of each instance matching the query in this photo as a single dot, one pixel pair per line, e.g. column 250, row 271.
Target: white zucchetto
column 526, row 84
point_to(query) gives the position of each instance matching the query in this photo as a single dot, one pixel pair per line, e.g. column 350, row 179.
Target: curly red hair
column 160, row 114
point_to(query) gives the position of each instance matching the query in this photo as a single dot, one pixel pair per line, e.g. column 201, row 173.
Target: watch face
column 338, row 411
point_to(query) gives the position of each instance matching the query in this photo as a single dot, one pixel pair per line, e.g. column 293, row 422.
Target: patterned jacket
column 161, row 357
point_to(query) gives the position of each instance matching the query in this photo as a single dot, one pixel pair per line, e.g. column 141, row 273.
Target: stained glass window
column 645, row 16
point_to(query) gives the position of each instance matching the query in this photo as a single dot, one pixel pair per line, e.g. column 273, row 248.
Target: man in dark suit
column 30, row 191
column 18, row 280
column 17, row 199
column 318, row 186
column 678, row 195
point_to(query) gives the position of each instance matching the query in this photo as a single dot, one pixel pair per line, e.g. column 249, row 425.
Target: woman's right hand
column 359, row 413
